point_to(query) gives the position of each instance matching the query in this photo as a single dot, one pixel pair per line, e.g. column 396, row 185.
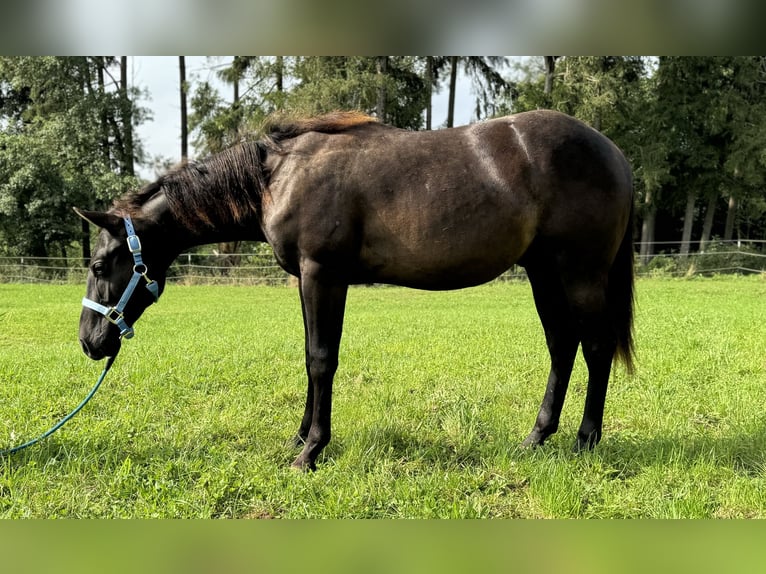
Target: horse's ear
column 108, row 221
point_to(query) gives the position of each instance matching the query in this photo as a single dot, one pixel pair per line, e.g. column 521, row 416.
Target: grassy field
column 433, row 395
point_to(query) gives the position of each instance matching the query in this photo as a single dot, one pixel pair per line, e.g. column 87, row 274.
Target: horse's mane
column 225, row 188
column 281, row 128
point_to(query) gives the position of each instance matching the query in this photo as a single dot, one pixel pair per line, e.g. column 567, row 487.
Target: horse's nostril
column 91, row 353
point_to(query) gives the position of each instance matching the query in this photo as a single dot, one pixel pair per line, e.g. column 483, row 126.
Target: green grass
column 433, row 395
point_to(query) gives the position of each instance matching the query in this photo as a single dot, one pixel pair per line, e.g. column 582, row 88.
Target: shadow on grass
column 743, row 450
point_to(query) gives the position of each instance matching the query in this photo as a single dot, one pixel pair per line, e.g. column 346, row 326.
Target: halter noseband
column 115, row 314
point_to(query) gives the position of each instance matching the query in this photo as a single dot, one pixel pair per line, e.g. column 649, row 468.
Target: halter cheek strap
column 115, row 314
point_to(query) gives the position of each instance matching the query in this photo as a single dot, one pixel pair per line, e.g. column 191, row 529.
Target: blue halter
column 115, row 314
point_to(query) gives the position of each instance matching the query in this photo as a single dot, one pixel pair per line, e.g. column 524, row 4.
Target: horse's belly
column 434, row 268
column 450, row 249
column 439, row 281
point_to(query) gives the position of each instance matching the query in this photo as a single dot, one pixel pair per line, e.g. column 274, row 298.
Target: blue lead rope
column 113, row 315
column 63, row 421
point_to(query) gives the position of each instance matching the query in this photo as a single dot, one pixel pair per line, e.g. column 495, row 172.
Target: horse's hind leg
column 589, row 301
column 562, row 340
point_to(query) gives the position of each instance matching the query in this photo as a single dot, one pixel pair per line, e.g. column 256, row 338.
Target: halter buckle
column 134, row 244
column 113, row 315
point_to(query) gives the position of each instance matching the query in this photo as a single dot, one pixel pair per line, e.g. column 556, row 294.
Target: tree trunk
column 103, row 118
column 429, row 91
column 731, row 217
column 647, row 228
column 707, row 226
column 550, row 70
column 184, row 118
column 382, row 69
column 235, row 100
column 280, row 73
column 452, row 86
column 598, row 114
column 128, row 165
column 686, row 236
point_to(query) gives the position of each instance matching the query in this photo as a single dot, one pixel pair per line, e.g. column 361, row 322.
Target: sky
column 161, row 135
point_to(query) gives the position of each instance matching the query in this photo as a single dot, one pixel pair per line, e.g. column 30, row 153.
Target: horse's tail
column 620, row 296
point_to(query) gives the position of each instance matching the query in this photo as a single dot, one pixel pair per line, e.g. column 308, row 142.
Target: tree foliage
column 693, row 128
column 62, row 143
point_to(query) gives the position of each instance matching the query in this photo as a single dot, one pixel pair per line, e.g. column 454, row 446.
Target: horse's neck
column 180, row 236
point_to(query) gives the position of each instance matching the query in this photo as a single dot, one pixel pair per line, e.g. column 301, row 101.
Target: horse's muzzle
column 98, row 353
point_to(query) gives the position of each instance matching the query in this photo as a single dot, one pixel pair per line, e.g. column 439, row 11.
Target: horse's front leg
column 308, row 413
column 323, row 303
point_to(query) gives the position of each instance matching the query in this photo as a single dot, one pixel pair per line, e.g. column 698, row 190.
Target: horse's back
column 442, row 209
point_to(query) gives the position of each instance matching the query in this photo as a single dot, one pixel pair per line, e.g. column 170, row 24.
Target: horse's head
column 124, row 278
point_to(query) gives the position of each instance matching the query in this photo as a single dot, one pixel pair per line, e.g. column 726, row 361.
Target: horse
column 343, row 199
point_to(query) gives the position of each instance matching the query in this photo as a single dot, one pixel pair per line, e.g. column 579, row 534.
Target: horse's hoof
column 580, row 447
column 301, row 465
column 585, row 444
column 534, row 440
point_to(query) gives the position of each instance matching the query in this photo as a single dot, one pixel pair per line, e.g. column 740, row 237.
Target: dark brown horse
column 344, row 200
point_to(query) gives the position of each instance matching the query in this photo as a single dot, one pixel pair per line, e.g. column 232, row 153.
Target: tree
column 430, row 80
column 651, row 171
column 712, row 109
column 745, row 162
column 453, row 61
column 602, row 91
column 550, row 73
column 381, row 66
column 228, row 252
column 704, row 132
column 686, row 92
column 183, row 88
column 487, row 82
column 61, row 144
column 258, row 90
column 126, row 115
column 391, row 85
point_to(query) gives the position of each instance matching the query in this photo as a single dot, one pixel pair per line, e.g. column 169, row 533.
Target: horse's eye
column 98, row 268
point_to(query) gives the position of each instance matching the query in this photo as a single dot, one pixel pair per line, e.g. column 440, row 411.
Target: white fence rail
column 735, row 256
column 251, row 269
